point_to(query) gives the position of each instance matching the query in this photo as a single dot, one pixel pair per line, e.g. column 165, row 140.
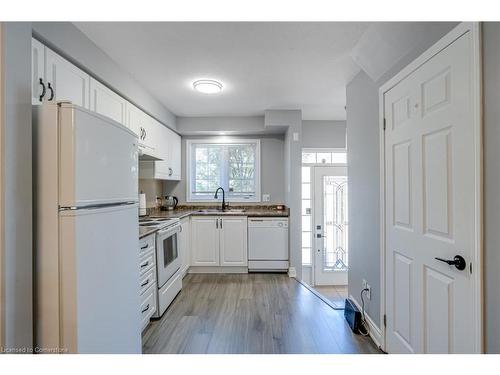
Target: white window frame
column 223, row 141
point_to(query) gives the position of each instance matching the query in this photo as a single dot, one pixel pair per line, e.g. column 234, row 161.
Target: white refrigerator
column 86, row 237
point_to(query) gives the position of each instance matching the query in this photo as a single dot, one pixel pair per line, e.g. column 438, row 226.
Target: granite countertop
column 184, row 211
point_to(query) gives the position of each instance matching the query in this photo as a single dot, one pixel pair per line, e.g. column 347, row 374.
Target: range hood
column 147, row 154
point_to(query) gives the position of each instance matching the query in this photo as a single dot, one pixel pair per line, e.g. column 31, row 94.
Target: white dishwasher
column 268, row 244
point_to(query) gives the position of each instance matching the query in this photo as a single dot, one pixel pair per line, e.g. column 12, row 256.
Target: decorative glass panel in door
column 330, row 225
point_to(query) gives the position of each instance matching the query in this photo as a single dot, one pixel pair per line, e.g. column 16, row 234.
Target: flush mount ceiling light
column 207, row 86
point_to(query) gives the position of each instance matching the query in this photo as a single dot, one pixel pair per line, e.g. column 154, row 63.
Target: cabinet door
column 185, row 244
column 66, row 81
column 135, row 119
column 204, row 241
column 106, row 102
column 37, row 71
column 174, row 156
column 233, row 241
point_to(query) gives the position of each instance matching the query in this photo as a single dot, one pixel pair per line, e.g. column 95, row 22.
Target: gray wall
column 17, row 193
column 323, row 134
column 491, row 73
column 215, row 125
column 70, row 42
column 363, row 170
column 272, row 169
column 292, row 121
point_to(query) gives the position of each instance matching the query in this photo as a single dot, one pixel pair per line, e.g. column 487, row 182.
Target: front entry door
column 330, row 225
column 431, row 190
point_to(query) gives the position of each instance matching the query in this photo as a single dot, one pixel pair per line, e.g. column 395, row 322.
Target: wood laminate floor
column 250, row 313
column 336, row 294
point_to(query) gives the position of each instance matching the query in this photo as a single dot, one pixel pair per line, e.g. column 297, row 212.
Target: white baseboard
column 209, row 269
column 375, row 331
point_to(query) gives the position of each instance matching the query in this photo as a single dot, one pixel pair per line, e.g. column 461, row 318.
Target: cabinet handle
column 43, row 90
column 145, row 283
column 145, row 264
column 144, row 247
column 217, row 223
column 220, row 223
column 146, row 309
column 51, row 91
column 170, row 171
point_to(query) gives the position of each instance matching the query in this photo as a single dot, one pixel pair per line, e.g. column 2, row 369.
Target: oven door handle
column 169, row 231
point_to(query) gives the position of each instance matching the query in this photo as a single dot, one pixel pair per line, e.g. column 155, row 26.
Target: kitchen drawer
column 148, row 279
column 146, row 244
column 147, row 261
column 148, row 305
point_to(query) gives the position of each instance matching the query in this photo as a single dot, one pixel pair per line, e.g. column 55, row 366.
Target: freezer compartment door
column 98, row 159
column 99, row 276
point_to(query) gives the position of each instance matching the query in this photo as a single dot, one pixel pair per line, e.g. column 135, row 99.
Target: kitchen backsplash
column 152, row 189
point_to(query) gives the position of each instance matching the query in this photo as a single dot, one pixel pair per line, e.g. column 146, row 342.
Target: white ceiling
column 262, row 65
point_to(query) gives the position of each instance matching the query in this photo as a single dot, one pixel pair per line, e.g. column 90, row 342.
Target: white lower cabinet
column 219, row 241
column 147, row 281
column 204, row 241
column 185, row 244
column 233, row 241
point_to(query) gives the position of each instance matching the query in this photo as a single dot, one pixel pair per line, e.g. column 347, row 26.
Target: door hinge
column 385, row 320
column 384, row 123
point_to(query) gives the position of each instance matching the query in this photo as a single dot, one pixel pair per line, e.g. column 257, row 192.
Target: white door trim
column 475, row 29
column 2, row 216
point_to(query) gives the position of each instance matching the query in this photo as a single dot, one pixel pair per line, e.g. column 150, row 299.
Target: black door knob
column 458, row 261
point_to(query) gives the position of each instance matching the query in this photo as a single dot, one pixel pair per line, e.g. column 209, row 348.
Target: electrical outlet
column 266, row 197
column 369, row 291
column 364, row 284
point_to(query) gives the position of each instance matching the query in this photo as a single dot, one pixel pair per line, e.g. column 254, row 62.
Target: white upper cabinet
column 174, row 155
column 65, row 81
column 136, row 120
column 106, row 102
column 38, row 82
column 54, row 78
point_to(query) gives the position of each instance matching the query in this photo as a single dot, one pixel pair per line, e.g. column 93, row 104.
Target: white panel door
column 38, row 82
column 98, row 159
column 233, row 241
column 107, row 103
column 65, row 81
column 205, row 241
column 430, row 205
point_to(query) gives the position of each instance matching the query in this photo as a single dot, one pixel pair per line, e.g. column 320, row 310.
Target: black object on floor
column 352, row 315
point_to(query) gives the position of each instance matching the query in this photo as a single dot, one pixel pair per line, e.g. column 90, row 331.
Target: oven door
column 168, row 259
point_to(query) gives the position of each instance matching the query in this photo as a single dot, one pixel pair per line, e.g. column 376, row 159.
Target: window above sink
column 233, row 164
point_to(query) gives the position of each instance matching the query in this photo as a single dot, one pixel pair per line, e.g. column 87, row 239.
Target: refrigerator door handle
column 97, row 206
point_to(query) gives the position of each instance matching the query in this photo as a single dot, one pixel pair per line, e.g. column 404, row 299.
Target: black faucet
column 223, row 197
